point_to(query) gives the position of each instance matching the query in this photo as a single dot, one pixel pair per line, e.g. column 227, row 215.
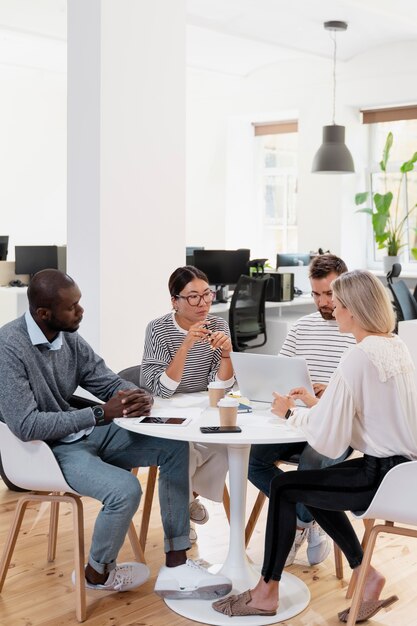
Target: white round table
column 258, row 427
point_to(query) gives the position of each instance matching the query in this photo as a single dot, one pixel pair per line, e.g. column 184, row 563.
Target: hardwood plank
column 38, row 593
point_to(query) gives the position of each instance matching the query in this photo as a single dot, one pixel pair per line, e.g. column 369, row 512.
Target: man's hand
column 128, row 403
column 319, row 389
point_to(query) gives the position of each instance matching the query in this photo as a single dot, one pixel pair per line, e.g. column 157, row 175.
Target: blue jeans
column 96, row 466
column 262, row 468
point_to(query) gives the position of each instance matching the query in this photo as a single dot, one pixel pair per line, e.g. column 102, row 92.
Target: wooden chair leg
column 12, row 538
column 80, row 600
column 135, row 543
column 226, row 502
column 53, row 531
column 253, row 518
column 147, row 505
column 338, row 561
column 368, row 524
column 360, row 584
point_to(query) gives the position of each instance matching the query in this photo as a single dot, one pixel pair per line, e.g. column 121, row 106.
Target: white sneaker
column 123, row 577
column 191, row 581
column 300, row 536
column 198, row 512
column 319, row 544
column 193, row 535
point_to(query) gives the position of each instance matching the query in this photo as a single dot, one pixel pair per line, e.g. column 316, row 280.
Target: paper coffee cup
column 216, row 391
column 228, row 411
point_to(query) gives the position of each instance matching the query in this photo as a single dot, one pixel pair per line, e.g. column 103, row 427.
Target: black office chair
column 247, row 312
column 405, row 304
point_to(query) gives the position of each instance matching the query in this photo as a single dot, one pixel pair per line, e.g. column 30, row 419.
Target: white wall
column 325, row 203
column 33, row 143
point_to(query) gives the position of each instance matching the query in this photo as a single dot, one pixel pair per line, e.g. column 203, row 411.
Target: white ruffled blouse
column 370, row 403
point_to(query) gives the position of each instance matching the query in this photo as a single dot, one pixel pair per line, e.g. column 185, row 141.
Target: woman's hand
column 219, row 339
column 301, row 393
column 281, row 404
column 197, row 332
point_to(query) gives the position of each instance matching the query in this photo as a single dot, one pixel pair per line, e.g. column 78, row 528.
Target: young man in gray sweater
column 43, row 360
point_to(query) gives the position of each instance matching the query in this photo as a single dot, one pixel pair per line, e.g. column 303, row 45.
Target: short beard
column 326, row 315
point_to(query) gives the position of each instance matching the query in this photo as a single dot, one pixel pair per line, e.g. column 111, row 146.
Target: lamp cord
column 333, row 37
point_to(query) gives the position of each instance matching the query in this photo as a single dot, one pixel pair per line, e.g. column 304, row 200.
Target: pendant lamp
column 333, row 157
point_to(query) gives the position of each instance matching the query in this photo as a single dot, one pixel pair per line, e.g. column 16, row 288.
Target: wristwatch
column 288, row 414
column 98, row 413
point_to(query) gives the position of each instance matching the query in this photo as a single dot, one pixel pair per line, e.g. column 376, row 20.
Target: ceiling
column 239, row 36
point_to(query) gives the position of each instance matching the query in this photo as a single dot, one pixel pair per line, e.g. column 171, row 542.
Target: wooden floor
column 40, row 593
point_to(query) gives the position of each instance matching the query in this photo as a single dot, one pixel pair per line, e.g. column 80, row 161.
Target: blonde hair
column 367, row 299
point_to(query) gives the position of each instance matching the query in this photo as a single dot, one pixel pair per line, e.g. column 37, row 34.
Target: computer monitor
column 292, row 259
column 189, row 254
column 4, row 244
column 32, row 259
column 222, row 267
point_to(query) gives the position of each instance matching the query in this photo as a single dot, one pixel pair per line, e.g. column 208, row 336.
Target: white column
column 126, row 165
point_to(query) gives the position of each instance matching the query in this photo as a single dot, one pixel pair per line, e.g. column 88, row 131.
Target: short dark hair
column 44, row 287
column 324, row 264
column 182, row 276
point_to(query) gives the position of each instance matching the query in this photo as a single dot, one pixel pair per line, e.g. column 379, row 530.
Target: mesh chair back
column 247, row 312
column 405, row 304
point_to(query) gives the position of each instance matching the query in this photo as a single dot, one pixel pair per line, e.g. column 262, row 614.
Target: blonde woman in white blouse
column 370, row 405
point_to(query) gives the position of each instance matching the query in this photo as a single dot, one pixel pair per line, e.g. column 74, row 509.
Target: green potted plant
column 389, row 222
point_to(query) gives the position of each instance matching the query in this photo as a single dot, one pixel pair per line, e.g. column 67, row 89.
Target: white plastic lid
column 216, row 384
column 228, row 402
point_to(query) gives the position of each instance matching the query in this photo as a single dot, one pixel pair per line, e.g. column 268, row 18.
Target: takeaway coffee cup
column 216, row 392
column 228, row 411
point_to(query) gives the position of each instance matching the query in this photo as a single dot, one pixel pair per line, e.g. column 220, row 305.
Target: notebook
column 258, row 375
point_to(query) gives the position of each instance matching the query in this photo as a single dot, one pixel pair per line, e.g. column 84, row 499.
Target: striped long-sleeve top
column 162, row 339
column 320, row 343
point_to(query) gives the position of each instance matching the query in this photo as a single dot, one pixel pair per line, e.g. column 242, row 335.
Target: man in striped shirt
column 315, row 337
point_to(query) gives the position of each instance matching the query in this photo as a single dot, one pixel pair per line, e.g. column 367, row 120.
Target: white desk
column 13, row 303
column 257, row 427
column 280, row 316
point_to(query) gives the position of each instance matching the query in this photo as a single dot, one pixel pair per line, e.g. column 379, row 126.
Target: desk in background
column 280, row 316
column 13, row 303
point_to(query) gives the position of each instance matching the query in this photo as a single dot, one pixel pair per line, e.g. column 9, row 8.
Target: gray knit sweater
column 36, row 383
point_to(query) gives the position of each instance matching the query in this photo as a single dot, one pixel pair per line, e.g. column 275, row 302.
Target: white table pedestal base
column 294, row 595
column 294, row 598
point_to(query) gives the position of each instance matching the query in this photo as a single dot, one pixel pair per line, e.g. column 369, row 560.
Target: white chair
column 31, row 465
column 396, row 502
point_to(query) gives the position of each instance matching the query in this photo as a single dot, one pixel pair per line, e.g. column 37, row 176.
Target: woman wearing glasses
column 187, row 348
column 184, row 351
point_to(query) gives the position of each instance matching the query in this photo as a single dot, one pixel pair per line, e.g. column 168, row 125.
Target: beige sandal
column 238, row 606
column 368, row 609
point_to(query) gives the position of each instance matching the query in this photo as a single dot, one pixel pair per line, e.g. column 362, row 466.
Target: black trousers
column 327, row 493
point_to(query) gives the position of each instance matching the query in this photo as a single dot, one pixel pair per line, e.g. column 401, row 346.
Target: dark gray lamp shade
column 333, row 157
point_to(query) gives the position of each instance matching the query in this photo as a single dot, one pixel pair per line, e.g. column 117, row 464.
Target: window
column 276, row 147
column 381, row 122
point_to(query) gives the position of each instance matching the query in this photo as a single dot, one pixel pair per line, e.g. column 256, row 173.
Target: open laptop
column 258, row 375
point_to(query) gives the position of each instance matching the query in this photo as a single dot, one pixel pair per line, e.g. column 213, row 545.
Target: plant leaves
column 360, row 198
column 383, row 202
column 379, row 222
column 368, row 211
column 414, row 252
column 386, row 151
column 409, row 165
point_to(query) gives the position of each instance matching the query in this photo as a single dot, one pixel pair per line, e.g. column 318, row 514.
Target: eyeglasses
column 195, row 299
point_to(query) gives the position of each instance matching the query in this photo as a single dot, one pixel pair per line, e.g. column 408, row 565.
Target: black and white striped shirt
column 320, row 343
column 162, row 339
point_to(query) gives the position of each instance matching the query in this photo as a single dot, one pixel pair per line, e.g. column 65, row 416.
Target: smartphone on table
column 213, row 430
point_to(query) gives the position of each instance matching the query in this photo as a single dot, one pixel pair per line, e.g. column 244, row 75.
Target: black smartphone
column 213, row 430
